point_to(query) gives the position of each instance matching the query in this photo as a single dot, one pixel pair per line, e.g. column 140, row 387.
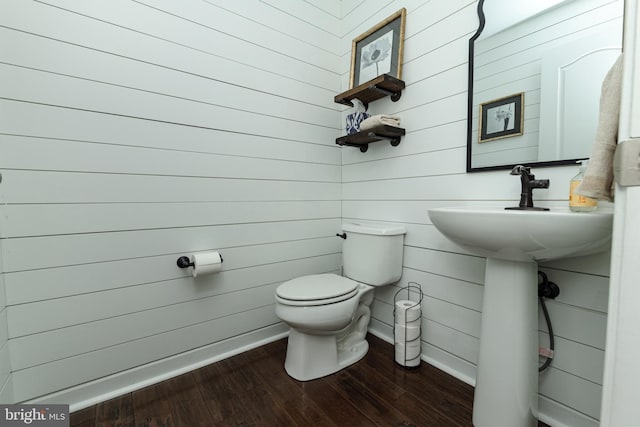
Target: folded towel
column 379, row 119
column 598, row 178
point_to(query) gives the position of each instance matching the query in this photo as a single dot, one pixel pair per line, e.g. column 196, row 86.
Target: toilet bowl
column 329, row 314
column 327, row 331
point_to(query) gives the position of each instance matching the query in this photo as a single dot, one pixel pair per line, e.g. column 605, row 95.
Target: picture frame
column 501, row 118
column 379, row 50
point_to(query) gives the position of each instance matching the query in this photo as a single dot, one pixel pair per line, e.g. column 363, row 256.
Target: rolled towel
column 598, row 178
column 379, row 119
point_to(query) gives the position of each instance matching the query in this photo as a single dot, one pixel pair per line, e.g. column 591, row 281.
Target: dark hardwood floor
column 252, row 389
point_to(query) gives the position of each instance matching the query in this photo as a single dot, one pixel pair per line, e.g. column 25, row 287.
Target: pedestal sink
column 506, row 393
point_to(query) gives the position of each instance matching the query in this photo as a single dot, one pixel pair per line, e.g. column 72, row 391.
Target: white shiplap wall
column 6, row 385
column 133, row 132
column 399, row 184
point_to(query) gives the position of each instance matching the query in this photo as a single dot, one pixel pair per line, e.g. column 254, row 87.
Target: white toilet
column 329, row 314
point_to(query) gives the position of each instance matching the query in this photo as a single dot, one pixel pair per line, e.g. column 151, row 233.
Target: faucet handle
column 520, row 170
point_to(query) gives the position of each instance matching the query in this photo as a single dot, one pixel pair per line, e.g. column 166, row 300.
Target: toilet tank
column 372, row 252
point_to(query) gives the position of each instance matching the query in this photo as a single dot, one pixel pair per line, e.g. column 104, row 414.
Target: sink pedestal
column 514, row 241
column 506, row 392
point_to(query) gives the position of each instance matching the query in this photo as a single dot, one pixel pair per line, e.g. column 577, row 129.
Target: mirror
column 535, row 73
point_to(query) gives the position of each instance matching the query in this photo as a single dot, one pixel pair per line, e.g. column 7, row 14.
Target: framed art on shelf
column 501, row 118
column 379, row 50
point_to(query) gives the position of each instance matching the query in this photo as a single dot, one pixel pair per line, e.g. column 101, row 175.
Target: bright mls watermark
column 34, row 415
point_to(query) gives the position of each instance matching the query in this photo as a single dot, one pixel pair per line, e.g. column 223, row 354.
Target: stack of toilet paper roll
column 408, row 315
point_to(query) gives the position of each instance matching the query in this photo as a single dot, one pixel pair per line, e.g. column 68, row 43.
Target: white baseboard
column 6, row 390
column 88, row 394
column 452, row 365
column 550, row 412
column 557, row 415
column 100, row 390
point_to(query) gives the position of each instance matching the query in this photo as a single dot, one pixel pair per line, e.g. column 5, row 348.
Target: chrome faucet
column 529, row 182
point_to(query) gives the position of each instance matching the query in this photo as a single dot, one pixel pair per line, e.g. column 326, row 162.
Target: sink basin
column 525, row 235
column 506, row 391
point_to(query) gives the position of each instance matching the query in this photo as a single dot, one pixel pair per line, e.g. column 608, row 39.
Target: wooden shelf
column 363, row 138
column 381, row 86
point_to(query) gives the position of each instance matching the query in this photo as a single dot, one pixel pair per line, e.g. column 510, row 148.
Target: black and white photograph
column 501, row 118
column 379, row 50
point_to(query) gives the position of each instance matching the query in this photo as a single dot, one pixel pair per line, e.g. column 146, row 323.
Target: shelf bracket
column 393, row 140
column 394, row 95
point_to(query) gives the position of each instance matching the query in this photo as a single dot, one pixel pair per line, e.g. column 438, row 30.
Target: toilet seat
column 316, row 289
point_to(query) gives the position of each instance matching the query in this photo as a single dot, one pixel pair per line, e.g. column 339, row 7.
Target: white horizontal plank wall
column 134, row 132
column 427, row 170
column 6, row 384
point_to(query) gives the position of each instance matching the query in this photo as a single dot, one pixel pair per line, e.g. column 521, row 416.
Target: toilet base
column 314, row 356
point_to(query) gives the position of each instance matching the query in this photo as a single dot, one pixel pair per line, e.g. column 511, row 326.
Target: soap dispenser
column 579, row 203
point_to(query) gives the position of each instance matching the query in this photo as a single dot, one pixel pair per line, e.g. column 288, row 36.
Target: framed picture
column 501, row 118
column 379, row 50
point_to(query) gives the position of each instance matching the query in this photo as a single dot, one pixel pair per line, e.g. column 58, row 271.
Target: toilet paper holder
column 402, row 337
column 185, row 262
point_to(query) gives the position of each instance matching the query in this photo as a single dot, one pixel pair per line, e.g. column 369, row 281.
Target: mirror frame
column 470, row 139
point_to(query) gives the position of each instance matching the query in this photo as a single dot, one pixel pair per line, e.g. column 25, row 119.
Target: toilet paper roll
column 407, row 352
column 410, row 363
column 404, row 333
column 407, row 311
column 206, row 263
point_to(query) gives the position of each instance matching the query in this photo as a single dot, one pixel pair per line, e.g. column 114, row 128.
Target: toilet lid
column 316, row 287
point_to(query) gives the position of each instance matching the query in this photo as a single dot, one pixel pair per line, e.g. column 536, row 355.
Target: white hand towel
column 379, row 119
column 598, row 178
